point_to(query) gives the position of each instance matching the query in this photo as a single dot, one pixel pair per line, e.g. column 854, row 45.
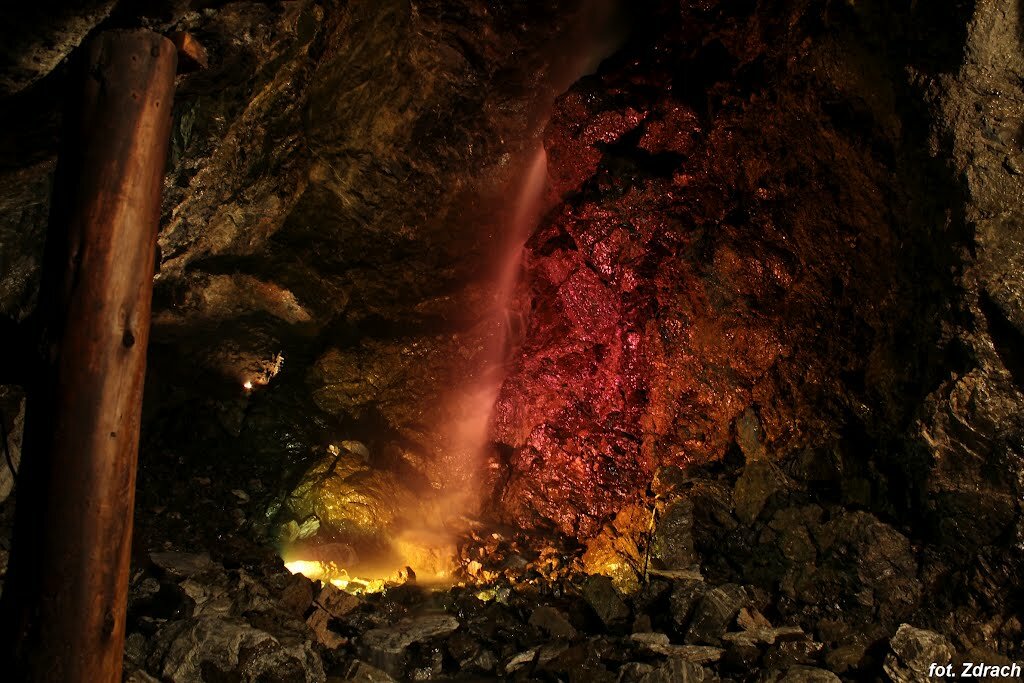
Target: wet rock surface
column 913, row 653
column 706, row 285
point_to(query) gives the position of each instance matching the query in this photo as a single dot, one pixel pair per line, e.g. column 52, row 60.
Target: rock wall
column 786, row 229
column 784, row 276
column 347, row 223
column 337, row 184
column 785, row 233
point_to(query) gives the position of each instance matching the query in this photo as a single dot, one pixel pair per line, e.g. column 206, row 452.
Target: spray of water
column 468, row 434
column 427, row 542
column 597, row 32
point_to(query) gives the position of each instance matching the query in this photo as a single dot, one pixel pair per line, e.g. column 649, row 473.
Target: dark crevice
column 1006, row 337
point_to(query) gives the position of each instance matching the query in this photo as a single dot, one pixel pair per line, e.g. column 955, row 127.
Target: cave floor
column 744, row 573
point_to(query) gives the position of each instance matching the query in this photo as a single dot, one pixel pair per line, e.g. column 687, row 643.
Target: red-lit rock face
column 697, row 267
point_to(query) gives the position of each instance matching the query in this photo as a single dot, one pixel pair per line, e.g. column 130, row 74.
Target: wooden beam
column 64, row 598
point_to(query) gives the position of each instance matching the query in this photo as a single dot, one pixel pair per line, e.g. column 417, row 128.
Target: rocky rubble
column 807, row 592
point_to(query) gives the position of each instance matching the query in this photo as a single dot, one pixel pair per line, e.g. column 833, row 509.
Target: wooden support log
column 64, row 597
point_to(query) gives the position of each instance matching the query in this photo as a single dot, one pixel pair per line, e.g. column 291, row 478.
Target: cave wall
column 347, row 223
column 336, row 183
column 788, row 234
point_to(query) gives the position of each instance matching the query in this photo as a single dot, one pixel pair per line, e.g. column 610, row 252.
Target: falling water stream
column 469, row 434
column 594, row 37
column 427, row 544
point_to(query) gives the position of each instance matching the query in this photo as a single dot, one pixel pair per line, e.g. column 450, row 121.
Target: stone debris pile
column 798, row 593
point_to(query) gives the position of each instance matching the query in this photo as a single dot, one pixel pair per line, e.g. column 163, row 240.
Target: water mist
column 516, row 198
column 595, row 33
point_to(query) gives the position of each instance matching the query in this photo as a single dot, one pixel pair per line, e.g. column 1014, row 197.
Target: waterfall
column 597, row 32
column 466, row 436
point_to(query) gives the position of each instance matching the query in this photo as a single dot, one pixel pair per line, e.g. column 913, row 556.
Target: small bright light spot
column 247, row 386
column 339, row 578
column 311, row 570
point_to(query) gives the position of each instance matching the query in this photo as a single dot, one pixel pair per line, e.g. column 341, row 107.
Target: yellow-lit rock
column 350, row 498
column 616, row 551
column 430, row 555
